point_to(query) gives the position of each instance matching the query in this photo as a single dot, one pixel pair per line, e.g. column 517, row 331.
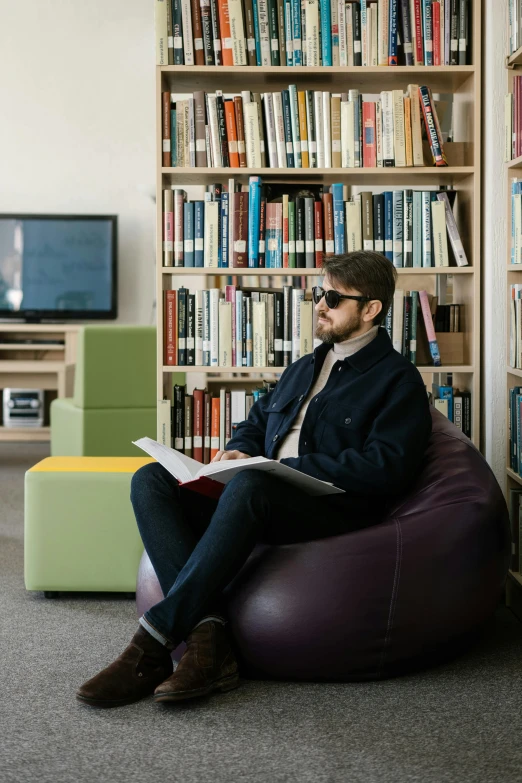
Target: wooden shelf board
column 516, row 576
column 248, row 370
column 25, row 433
column 34, row 365
column 205, row 175
column 514, row 371
column 513, row 475
column 297, row 272
column 516, row 163
column 34, row 347
column 514, row 267
column 515, row 58
column 183, row 78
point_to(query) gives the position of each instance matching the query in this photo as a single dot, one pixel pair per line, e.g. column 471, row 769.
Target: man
column 355, row 413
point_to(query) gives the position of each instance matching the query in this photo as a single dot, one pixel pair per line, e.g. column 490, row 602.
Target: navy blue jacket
column 366, row 431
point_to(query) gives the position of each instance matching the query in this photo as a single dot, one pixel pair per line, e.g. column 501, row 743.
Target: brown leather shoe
column 132, row 676
column 208, row 664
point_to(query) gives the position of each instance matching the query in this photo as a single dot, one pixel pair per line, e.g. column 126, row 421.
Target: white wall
column 77, row 123
column 494, row 247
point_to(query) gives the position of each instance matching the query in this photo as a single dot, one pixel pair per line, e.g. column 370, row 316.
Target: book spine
column 187, row 424
column 162, row 26
column 207, row 422
column 338, row 217
column 309, row 232
column 177, row 30
column 240, row 129
column 188, row 234
column 318, row 233
column 294, row 118
column 206, row 27
column 273, row 32
column 398, row 205
column 408, row 227
column 406, row 32
column 240, row 236
column 388, row 225
column 199, row 53
column 231, row 133
column 191, row 330
column 298, row 296
column 170, row 356
column 356, row 23
column 287, row 121
column 264, row 31
column 254, row 209
column 182, row 326
column 186, row 20
column 224, row 224
column 427, row 259
column 237, row 32
column 168, row 227
column 166, row 128
column 435, row 140
column 453, row 232
column 430, row 332
column 392, row 33
column 413, row 321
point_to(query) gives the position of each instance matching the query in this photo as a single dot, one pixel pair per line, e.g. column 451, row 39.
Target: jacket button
column 348, row 421
column 340, row 368
column 301, row 397
column 276, row 437
column 273, row 405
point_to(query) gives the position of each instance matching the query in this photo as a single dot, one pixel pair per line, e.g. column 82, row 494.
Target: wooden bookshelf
column 513, row 375
column 463, row 173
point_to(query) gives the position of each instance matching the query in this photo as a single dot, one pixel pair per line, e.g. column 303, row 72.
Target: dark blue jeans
column 197, row 545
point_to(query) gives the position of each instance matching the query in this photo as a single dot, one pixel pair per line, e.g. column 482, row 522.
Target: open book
column 210, row 479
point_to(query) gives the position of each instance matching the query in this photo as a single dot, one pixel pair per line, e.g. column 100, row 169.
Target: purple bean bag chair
column 410, row 592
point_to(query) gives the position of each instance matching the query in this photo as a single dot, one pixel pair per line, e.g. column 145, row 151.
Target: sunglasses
column 332, row 298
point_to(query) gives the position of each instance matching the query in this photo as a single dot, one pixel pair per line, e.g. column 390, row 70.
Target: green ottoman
column 80, row 529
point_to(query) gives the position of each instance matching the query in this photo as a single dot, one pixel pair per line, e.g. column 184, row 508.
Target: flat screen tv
column 58, row 267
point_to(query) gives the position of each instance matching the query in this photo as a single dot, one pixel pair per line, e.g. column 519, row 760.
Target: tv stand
column 37, row 365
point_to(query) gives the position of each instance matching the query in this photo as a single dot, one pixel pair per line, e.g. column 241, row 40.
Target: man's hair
column 366, row 271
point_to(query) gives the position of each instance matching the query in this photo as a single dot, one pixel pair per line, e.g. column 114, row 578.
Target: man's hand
column 233, row 454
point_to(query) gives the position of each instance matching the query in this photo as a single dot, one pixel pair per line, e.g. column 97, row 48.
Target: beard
column 338, row 334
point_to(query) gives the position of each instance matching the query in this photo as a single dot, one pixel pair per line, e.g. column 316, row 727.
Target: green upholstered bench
column 80, row 529
column 114, row 398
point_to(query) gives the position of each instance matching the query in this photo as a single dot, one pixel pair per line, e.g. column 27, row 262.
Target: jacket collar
column 366, row 357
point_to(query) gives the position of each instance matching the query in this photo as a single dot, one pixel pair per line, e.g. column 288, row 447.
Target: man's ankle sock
column 211, row 617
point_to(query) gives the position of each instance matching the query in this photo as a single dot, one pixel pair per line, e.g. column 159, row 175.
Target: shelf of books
column 513, row 157
column 288, row 133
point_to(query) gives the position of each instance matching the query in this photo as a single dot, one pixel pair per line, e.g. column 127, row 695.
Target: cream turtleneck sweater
column 290, row 445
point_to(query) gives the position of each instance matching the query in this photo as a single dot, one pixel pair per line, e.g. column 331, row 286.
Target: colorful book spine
column 188, row 233
column 432, row 129
column 392, row 34
column 338, row 215
column 388, row 225
column 430, row 331
column 254, row 210
column 326, row 33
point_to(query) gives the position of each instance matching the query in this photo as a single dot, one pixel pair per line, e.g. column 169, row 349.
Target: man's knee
column 251, row 481
column 147, row 477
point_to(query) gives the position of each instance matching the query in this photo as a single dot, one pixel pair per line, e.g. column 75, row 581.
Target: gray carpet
column 459, row 722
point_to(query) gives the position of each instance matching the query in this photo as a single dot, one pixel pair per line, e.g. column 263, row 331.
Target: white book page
column 226, row 464
column 182, row 467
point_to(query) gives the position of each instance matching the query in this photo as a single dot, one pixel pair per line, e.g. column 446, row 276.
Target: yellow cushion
column 91, row 464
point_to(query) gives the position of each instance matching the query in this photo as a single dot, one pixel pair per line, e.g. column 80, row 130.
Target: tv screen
column 58, row 267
